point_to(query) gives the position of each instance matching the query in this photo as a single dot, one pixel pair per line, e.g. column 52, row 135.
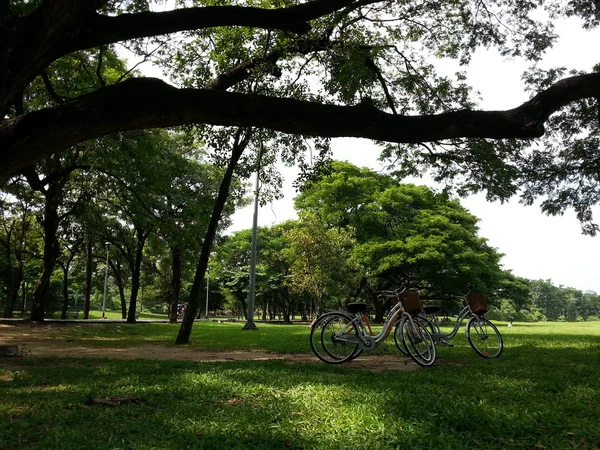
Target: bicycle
column 482, row 335
column 339, row 336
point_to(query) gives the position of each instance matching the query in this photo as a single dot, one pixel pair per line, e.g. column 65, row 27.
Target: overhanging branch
column 55, row 29
column 151, row 103
column 110, row 29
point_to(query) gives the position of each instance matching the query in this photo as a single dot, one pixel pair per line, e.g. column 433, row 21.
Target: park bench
column 72, row 314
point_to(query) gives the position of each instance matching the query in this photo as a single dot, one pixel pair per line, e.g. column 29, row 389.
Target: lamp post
column 250, row 325
column 105, row 281
column 207, row 280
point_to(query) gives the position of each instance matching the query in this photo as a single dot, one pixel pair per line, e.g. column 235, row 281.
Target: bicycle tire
column 323, row 338
column 398, row 335
column 418, row 341
column 398, row 340
column 484, row 337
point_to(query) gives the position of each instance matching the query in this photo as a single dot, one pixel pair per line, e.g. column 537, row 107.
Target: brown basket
column 478, row 303
column 411, row 302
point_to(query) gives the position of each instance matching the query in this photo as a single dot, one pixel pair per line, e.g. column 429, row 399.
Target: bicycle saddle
column 357, row 307
column 431, row 309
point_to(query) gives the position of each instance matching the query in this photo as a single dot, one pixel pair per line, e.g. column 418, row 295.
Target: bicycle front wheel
column 484, row 337
column 398, row 334
column 333, row 338
column 418, row 341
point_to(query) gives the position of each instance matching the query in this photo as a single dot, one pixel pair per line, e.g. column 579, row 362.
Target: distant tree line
column 358, row 232
column 549, row 302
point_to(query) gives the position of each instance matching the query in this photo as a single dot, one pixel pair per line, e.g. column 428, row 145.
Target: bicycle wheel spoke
column 418, row 342
column 333, row 338
column 484, row 337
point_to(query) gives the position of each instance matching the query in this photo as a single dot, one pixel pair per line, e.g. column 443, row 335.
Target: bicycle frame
column 367, row 341
column 444, row 338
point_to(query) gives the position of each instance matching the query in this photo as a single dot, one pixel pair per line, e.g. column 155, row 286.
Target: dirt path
column 39, row 341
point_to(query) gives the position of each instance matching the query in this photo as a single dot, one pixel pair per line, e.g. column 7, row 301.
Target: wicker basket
column 411, row 302
column 478, row 303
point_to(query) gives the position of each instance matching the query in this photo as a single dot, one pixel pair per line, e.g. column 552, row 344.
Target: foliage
column 404, row 229
column 564, row 303
column 321, row 264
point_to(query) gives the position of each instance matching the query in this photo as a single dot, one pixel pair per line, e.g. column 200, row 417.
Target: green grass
column 543, row 392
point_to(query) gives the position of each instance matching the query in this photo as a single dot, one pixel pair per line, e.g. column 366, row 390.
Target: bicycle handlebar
column 393, row 293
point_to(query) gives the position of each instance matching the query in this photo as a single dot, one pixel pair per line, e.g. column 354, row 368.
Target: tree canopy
column 283, row 74
column 404, row 229
column 318, row 68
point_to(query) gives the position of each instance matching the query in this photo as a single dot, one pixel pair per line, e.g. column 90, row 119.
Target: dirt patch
column 42, row 341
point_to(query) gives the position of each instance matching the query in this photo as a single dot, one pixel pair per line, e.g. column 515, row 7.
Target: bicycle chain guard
column 367, row 343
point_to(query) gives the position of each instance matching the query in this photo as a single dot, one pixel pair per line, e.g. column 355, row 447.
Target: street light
column 250, row 325
column 105, row 281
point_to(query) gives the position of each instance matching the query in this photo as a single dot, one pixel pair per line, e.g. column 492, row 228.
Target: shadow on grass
column 537, row 394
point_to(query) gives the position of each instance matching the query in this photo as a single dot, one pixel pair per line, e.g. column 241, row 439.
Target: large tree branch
column 58, row 28
column 151, row 103
column 109, row 29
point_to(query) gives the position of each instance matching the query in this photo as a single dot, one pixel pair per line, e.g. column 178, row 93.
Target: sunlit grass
column 542, row 393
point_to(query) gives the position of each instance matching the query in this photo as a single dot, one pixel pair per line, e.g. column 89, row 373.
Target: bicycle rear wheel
column 484, row 337
column 333, row 338
column 418, row 341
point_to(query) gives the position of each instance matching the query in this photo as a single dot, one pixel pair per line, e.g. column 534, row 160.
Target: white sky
column 535, row 245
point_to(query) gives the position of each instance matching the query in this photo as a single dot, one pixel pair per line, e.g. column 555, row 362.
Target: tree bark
column 15, row 275
column 183, row 337
column 136, row 267
column 116, row 270
column 175, row 283
column 149, row 103
column 29, row 44
column 88, row 277
column 65, row 287
column 51, row 251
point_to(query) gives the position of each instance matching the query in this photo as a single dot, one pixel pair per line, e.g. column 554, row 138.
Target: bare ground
column 40, row 341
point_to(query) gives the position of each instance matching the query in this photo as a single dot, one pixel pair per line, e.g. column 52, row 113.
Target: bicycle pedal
column 446, row 343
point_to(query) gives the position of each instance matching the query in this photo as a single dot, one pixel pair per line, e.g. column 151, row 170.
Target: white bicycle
column 340, row 336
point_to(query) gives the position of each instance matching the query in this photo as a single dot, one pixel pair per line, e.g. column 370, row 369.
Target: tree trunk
column 24, row 291
column 244, row 307
column 141, row 235
column 12, row 289
column 115, row 267
column 192, row 307
column 51, row 252
column 175, row 284
column 65, row 307
column 288, row 306
column 88, row 278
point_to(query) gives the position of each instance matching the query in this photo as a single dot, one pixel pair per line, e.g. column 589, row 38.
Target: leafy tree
column 17, row 209
column 373, row 60
column 321, row 263
column 404, row 229
column 548, row 298
column 377, row 51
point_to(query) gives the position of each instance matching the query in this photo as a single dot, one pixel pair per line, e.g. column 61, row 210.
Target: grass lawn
column 544, row 392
